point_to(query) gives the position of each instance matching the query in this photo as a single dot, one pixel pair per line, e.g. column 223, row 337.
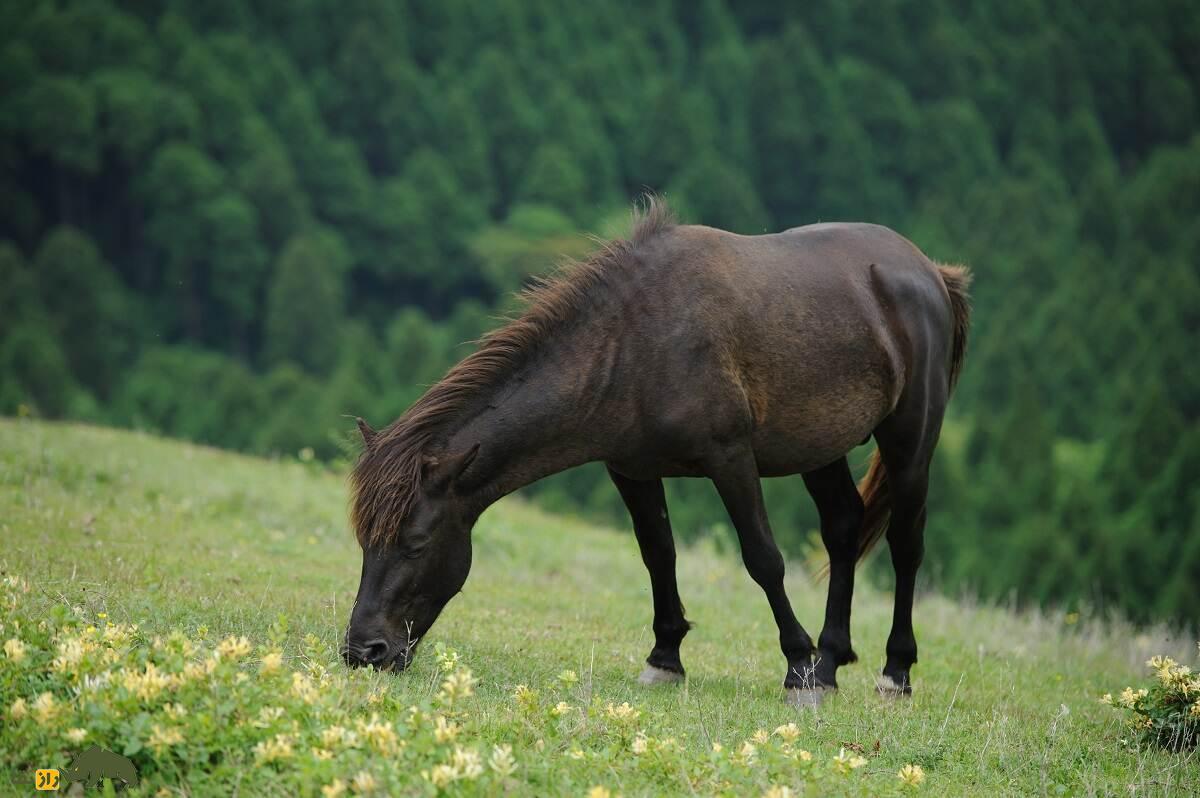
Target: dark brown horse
column 683, row 352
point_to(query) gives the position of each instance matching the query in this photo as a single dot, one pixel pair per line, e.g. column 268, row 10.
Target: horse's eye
column 414, row 546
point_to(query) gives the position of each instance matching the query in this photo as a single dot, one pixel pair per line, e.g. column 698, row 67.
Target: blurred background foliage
column 235, row 222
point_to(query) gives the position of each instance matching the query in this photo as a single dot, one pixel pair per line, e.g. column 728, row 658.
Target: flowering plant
column 1167, row 712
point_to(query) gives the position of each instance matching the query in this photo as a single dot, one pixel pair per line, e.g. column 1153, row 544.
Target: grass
column 110, row 527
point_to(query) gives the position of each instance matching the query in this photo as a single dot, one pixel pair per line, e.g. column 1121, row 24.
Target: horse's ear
column 457, row 464
column 369, row 435
column 448, row 467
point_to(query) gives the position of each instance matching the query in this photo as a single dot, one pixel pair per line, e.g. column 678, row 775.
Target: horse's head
column 414, row 560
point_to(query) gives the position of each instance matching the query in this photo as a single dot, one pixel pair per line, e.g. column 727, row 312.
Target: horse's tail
column 958, row 280
column 877, row 505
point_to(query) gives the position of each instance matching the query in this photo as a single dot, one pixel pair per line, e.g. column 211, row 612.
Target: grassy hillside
column 111, row 528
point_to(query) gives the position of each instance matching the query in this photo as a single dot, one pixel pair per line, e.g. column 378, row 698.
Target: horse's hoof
column 653, row 675
column 887, row 687
column 807, row 697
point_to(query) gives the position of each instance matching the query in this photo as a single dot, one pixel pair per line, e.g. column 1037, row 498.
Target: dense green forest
column 235, row 222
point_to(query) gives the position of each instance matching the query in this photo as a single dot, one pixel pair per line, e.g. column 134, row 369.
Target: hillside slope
column 128, row 529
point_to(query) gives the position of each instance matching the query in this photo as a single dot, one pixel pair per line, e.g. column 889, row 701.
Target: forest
column 238, row 223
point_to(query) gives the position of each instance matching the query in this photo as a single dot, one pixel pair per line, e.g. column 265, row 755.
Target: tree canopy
column 237, row 221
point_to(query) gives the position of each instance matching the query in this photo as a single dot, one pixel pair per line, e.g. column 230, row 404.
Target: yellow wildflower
column 118, row 633
column 1129, row 697
column 271, row 662
column 805, row 756
column 146, row 684
column 380, row 736
column 526, row 699
column 846, row 761
column 1107, row 698
column 440, row 776
column 502, row 761
column 447, row 659
column 760, row 737
column 336, row 736
column 1195, row 710
column 1160, row 663
column 458, row 685
column 717, row 748
column 576, row 753
column 789, row 732
column 321, row 754
column 276, row 749
column 267, row 717
column 911, row 775
column 334, row 789
column 560, row 709
column 568, row 678
column 746, row 753
column 18, row 709
column 623, row 712
column 363, row 782
column 163, row 738
column 466, row 762
column 304, row 688
column 14, row 649
column 233, row 647
column 76, row 735
column 70, row 654
column 45, row 708
column 445, row 731
column 599, row 792
column 194, row 671
column 1179, row 678
column 640, row 743
column 779, row 791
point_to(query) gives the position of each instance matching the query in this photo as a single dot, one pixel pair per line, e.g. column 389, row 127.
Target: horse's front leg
column 647, row 506
column 735, row 475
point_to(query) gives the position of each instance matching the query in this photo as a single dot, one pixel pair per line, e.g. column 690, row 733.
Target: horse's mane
column 387, row 476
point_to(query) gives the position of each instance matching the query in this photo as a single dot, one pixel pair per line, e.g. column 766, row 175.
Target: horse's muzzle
column 379, row 654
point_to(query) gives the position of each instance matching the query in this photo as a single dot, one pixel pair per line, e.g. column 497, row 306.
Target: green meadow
column 527, row 683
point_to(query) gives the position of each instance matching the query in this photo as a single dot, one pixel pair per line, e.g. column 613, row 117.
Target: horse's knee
column 765, row 567
column 841, row 537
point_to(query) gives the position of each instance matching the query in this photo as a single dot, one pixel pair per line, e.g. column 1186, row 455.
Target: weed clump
column 1168, row 712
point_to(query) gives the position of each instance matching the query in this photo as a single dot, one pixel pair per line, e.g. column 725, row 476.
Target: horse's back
column 812, row 331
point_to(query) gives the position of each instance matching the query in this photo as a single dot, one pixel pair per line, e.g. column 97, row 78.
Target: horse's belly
column 798, row 439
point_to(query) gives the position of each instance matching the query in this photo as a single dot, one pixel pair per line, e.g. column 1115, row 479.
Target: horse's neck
column 545, row 418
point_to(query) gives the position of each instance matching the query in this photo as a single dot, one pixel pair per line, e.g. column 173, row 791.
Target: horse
column 683, row 351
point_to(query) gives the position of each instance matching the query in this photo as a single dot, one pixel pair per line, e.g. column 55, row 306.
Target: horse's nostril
column 375, row 651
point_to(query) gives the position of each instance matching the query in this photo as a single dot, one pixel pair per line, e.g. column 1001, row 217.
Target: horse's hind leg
column 841, row 510
column 648, row 508
column 906, row 442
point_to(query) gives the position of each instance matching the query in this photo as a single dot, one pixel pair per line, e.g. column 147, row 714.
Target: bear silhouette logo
column 96, row 764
